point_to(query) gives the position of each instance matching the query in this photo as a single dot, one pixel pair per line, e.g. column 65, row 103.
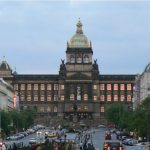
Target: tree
column 119, row 114
column 142, row 118
column 5, row 122
column 16, row 120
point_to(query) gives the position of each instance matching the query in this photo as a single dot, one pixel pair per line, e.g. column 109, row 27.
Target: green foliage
column 123, row 117
column 16, row 120
column 5, row 121
column 115, row 113
column 142, row 117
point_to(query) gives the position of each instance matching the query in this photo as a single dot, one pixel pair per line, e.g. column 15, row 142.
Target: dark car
column 107, row 135
column 112, row 145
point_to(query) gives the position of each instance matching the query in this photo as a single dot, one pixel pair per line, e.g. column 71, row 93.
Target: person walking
column 3, row 146
column 14, row 146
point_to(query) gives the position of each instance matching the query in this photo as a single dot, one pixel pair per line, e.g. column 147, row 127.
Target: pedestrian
column 46, row 143
column 14, row 146
column 69, row 146
column 60, row 146
column 85, row 146
column 3, row 146
column 55, row 146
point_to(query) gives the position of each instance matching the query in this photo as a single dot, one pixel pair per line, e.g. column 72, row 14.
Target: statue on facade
column 62, row 71
column 95, row 70
column 95, row 65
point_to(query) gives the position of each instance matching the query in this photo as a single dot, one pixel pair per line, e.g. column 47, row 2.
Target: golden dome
column 79, row 40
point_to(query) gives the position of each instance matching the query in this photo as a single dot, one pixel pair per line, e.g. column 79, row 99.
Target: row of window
column 38, row 87
column 115, row 87
column 79, row 59
column 115, row 98
column 72, row 98
column 55, row 109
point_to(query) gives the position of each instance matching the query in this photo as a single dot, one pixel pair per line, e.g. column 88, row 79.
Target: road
column 98, row 138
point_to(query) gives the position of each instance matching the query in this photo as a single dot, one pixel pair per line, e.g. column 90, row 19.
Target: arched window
column 48, row 109
column 72, row 59
column 42, row 109
column 85, row 97
column 86, row 59
column 55, row 109
column 79, row 59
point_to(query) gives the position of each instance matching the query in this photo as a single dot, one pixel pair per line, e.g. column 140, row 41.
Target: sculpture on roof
column 62, row 71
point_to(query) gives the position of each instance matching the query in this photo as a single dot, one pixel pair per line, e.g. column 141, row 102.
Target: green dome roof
column 4, row 66
column 79, row 40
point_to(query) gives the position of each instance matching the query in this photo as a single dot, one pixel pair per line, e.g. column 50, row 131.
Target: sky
column 34, row 34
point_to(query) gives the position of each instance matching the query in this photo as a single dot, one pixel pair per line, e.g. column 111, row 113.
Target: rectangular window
column 95, row 87
column 29, row 98
column 35, row 97
column 102, row 98
column 22, row 98
column 115, row 87
column 108, row 86
column 42, row 98
column 102, row 87
column 129, row 98
column 42, row 87
column 49, row 98
column 122, row 87
column 35, row 86
column 115, row 97
column 102, row 109
column 49, row 87
column 108, row 98
column 129, row 87
column 55, row 86
column 16, row 87
column 28, row 86
column 22, row 86
column 122, row 97
column 62, row 98
column 95, row 98
column 62, row 87
column 55, row 97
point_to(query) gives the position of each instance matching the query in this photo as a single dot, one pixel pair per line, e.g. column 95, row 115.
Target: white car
column 33, row 141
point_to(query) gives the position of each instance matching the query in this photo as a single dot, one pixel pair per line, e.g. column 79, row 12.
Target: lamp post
column 75, row 108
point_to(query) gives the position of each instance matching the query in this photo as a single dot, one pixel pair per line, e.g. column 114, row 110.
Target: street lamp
column 75, row 108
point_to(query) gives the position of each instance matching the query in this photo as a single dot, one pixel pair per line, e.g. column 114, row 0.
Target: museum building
column 78, row 87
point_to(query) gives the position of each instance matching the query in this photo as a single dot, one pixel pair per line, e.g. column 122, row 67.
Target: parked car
column 132, row 142
column 126, row 141
column 112, row 145
column 33, row 141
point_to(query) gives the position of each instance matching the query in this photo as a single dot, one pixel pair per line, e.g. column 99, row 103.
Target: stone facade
column 6, row 96
column 142, row 87
column 79, row 85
